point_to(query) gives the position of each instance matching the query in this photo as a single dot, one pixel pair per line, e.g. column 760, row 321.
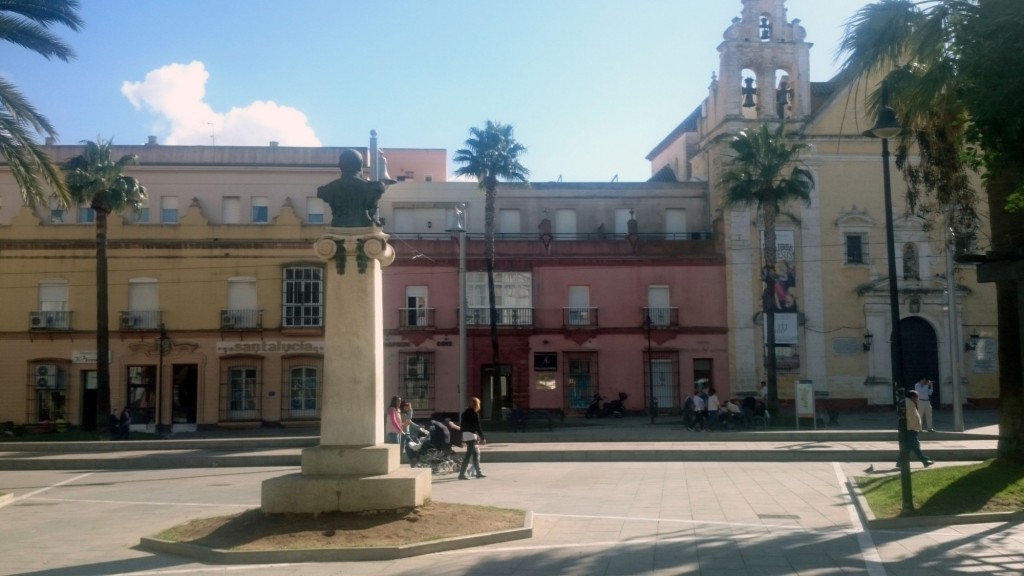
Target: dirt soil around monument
column 254, row 530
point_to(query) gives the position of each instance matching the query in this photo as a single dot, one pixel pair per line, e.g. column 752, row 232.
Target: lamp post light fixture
column 868, row 338
column 972, row 345
column 888, row 127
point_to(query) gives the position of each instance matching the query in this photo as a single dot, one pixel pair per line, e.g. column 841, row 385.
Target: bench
column 519, row 420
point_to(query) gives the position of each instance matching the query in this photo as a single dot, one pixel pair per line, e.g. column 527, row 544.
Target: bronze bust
column 352, row 198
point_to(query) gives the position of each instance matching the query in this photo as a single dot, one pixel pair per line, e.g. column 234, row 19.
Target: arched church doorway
column 920, row 354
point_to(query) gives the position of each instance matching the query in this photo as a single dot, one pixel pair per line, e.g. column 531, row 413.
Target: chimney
column 273, row 143
column 152, row 141
column 50, row 141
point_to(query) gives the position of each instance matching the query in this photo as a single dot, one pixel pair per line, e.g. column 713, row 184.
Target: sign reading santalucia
column 314, row 347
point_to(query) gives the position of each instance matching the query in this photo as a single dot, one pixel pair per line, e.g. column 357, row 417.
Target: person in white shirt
column 713, row 407
column 696, row 411
column 914, row 428
column 924, row 388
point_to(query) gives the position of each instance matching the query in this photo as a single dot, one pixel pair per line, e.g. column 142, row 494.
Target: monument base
column 347, row 479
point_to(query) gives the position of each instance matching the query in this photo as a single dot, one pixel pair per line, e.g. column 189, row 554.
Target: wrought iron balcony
column 579, row 317
column 49, row 320
column 241, row 319
column 416, row 317
column 515, row 317
column 661, row 317
column 140, row 320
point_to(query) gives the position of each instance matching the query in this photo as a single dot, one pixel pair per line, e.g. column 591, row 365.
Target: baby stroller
column 434, row 451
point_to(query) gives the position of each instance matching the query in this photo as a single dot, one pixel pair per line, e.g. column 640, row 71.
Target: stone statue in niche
column 911, row 266
column 352, row 198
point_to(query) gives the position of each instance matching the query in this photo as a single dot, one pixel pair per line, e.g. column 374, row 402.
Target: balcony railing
column 49, row 320
column 661, row 317
column 579, row 317
column 575, row 236
column 521, row 317
column 241, row 319
column 136, row 320
column 416, row 317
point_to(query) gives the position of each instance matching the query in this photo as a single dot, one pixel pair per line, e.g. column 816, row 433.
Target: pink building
column 579, row 269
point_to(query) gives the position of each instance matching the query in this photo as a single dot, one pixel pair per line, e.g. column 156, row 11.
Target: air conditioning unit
column 227, row 321
column 127, row 320
column 46, row 376
column 37, row 320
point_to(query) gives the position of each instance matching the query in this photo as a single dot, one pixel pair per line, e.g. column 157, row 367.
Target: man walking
column 914, row 429
column 924, row 388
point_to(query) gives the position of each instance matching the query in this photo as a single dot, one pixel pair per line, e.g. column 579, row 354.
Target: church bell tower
column 764, row 66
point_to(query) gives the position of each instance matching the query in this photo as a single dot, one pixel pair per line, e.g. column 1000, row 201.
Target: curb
column 868, row 519
column 215, row 556
column 932, row 521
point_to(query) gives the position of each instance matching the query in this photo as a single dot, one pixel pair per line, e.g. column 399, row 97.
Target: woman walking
column 472, row 436
column 393, row 422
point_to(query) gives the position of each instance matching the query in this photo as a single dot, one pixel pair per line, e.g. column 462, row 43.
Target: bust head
column 350, row 162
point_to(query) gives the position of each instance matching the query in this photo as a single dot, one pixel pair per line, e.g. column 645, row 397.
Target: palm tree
column 94, row 178
column 26, row 23
column 491, row 154
column 949, row 65
column 764, row 172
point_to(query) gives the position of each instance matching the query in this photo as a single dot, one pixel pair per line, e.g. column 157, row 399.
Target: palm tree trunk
column 103, row 400
column 769, row 304
column 1007, row 237
column 489, row 256
column 493, row 306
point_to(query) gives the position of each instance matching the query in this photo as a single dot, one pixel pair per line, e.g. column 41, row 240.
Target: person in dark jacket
column 114, row 425
column 472, row 436
column 125, row 423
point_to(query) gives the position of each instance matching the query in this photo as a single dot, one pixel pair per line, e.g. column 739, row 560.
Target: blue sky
column 591, row 86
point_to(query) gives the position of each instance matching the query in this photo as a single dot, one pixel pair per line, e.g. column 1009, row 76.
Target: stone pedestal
column 352, row 470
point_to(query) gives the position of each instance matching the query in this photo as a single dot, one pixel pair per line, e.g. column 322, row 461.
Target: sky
column 590, row 86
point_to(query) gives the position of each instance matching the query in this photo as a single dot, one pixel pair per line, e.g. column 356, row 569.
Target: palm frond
column 94, row 178
column 27, row 23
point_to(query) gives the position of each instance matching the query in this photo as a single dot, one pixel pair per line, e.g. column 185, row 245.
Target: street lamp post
column 888, row 127
column 459, row 230
column 163, row 347
column 650, row 371
column 954, row 327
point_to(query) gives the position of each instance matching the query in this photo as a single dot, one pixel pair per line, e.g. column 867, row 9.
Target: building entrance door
column 920, row 354
column 494, row 393
column 184, row 396
column 89, row 399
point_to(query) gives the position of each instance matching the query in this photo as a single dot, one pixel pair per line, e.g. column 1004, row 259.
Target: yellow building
column 833, row 324
column 215, row 298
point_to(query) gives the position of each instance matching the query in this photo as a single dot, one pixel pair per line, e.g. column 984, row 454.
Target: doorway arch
column 920, row 353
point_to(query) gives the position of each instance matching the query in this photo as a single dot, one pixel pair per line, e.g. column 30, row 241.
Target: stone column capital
column 370, row 242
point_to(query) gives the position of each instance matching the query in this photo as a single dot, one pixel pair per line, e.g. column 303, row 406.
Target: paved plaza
column 712, row 518
column 660, row 501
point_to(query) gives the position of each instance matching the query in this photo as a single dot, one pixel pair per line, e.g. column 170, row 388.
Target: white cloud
column 175, row 94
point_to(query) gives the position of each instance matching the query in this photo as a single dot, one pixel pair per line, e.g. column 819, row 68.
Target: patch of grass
column 990, row 486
